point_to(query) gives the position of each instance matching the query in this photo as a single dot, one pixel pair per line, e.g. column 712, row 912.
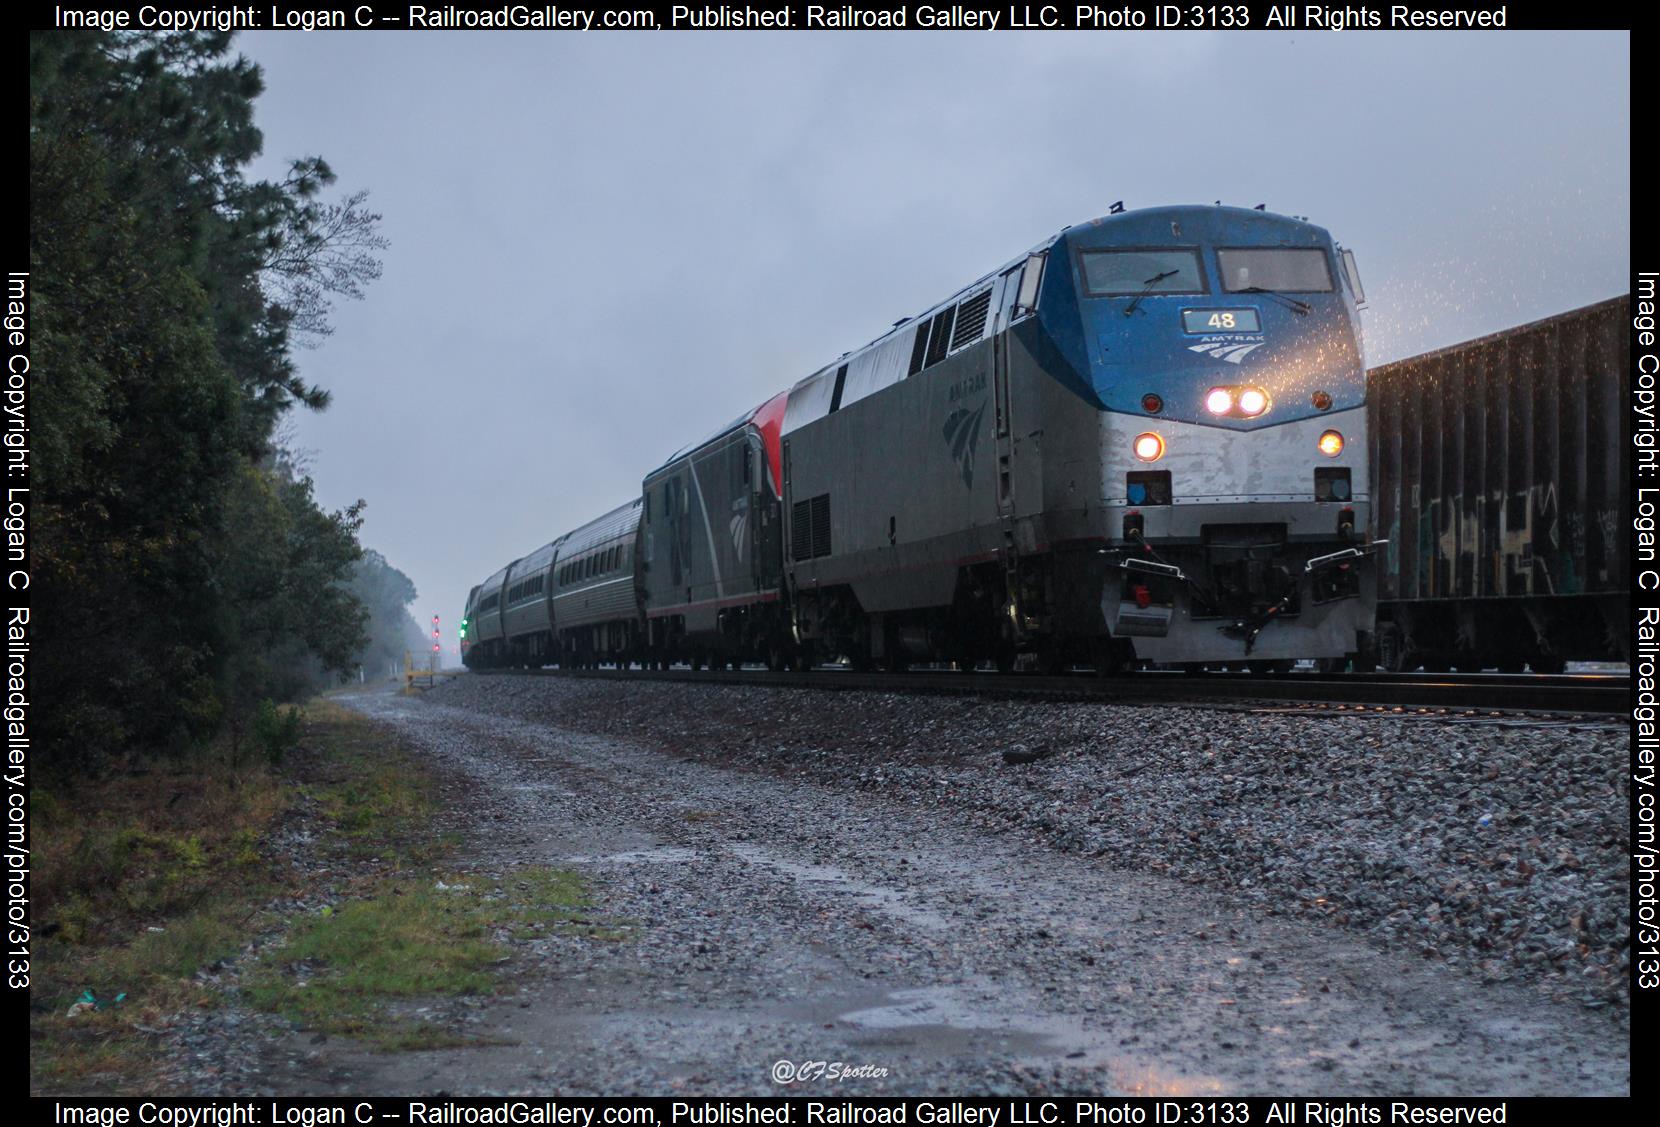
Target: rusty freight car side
column 1499, row 469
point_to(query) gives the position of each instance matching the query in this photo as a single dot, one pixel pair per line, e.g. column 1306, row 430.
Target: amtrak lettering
column 1231, row 349
column 966, row 386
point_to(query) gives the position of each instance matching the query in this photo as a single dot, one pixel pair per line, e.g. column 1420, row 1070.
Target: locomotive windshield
column 1109, row 273
column 1275, row 270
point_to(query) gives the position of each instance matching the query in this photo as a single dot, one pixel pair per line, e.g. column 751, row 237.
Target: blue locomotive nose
column 1223, row 316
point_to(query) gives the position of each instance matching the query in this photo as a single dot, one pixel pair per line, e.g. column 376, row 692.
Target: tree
column 385, row 593
column 324, row 251
column 185, row 573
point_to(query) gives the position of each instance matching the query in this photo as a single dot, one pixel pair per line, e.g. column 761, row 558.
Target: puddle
column 652, row 855
column 948, row 1016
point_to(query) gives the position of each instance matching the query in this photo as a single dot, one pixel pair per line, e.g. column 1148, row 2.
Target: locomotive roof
column 1132, row 218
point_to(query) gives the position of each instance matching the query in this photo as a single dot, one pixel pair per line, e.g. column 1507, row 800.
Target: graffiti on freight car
column 1570, row 580
column 1608, row 521
column 1537, row 556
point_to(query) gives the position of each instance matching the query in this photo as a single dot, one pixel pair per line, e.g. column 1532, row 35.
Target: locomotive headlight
column 1219, row 401
column 1253, row 401
column 1148, row 446
column 1331, row 444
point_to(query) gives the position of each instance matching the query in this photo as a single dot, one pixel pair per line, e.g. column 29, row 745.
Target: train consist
column 1499, row 471
column 1145, row 440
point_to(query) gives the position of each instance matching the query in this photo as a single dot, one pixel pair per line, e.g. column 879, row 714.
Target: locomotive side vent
column 801, row 531
column 919, row 347
column 971, row 319
column 940, row 339
column 821, row 525
column 810, row 528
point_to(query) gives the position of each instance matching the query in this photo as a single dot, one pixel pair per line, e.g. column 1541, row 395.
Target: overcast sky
column 607, row 245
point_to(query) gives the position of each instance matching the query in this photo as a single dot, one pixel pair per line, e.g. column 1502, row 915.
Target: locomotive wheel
column 1005, row 659
column 1547, row 663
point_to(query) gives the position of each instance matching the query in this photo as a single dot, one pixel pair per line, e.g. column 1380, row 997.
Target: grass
column 142, row 878
column 149, row 876
column 341, row 972
column 375, row 798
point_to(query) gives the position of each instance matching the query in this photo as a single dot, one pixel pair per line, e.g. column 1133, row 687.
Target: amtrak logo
column 738, row 526
column 1228, row 349
column 962, row 435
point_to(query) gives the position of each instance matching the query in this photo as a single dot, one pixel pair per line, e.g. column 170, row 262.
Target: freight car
column 1143, row 440
column 1500, row 471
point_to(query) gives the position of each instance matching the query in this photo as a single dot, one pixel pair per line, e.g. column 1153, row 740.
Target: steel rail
column 1596, row 694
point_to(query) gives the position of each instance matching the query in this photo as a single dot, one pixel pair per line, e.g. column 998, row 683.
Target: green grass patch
column 151, row 874
column 370, row 790
column 342, row 971
column 157, row 870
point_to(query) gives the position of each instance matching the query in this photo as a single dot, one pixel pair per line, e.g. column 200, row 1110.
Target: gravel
column 1155, row 902
column 1500, row 848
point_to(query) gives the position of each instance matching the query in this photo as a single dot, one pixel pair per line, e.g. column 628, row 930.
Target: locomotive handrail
column 1320, row 562
column 1135, row 563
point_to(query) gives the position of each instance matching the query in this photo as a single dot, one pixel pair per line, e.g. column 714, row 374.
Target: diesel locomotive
column 1144, row 440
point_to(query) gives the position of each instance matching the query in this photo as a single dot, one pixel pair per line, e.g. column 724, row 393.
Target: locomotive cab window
column 1275, row 269
column 1030, row 280
column 1353, row 273
column 1130, row 273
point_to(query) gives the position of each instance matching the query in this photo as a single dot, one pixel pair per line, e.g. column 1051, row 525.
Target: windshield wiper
column 1147, row 288
column 1300, row 308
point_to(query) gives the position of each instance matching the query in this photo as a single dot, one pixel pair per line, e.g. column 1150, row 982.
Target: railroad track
column 1517, row 694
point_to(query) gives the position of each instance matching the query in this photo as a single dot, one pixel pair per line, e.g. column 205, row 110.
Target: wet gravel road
column 785, row 907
